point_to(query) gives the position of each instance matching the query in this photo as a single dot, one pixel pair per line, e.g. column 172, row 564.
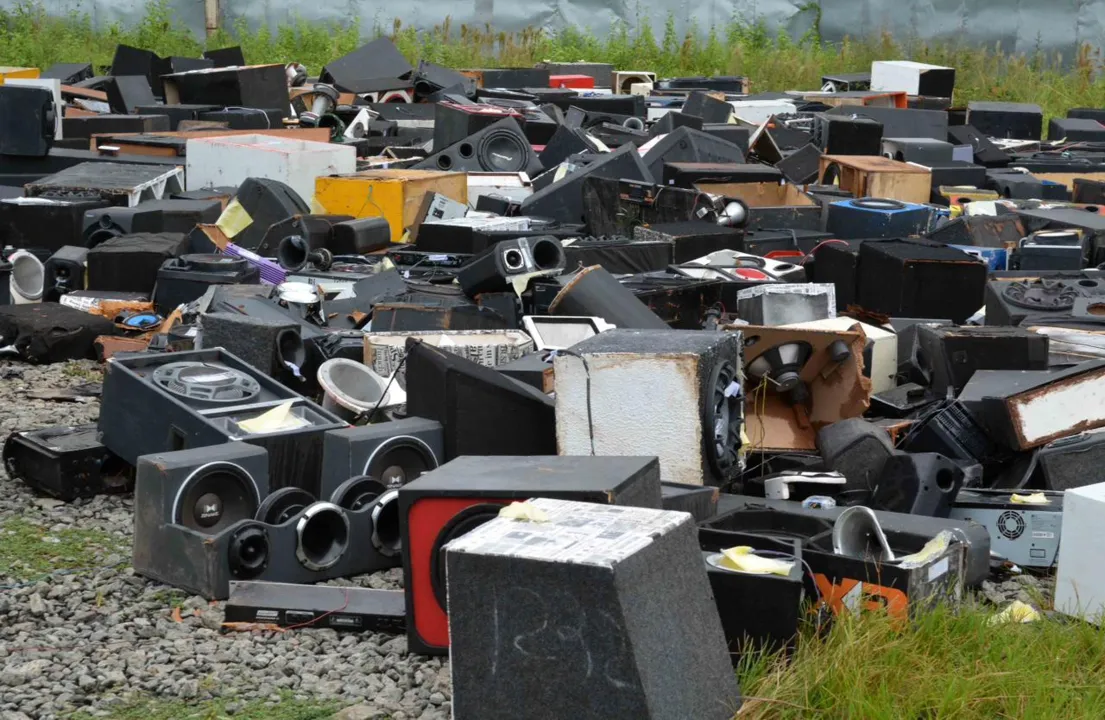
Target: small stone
column 84, row 682
column 36, row 605
column 364, row 711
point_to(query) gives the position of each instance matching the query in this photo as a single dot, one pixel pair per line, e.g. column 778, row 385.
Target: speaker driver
column 723, row 418
column 284, row 504
column 357, row 492
column 322, row 536
column 502, row 152
column 462, row 523
column 214, row 497
column 386, row 537
column 206, row 382
column 248, row 551
column 399, row 460
column 878, row 204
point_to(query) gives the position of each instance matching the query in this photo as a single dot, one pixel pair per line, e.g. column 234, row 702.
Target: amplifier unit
column 66, row 462
column 1026, row 534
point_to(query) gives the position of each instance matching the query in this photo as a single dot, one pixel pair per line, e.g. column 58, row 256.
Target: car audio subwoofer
column 448, row 502
column 205, row 517
column 391, row 453
column 693, row 381
column 501, row 147
column 202, row 382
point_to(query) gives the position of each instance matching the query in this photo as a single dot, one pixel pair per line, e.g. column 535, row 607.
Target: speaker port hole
column 945, row 480
column 465, row 150
column 386, row 537
column 322, row 536
column 547, row 255
column 444, row 162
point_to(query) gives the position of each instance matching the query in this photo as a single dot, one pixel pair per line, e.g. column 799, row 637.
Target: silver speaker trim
column 312, row 510
column 208, row 466
column 394, row 439
column 391, row 496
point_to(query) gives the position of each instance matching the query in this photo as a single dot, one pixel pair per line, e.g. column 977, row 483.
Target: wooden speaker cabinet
column 874, row 176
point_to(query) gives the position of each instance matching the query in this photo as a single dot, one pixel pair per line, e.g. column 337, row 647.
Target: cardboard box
column 395, row 195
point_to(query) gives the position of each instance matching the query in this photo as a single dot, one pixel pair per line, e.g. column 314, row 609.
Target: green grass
column 157, row 709
column 28, row 36
column 945, row 665
column 29, row 551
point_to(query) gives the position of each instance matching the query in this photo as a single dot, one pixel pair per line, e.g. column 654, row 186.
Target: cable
column 384, row 394
column 320, row 617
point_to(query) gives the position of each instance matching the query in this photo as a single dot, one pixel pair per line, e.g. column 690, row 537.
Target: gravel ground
column 90, row 639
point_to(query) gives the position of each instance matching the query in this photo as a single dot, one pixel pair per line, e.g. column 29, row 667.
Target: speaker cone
column 723, row 419
column 248, row 551
column 207, row 382
column 501, row 151
column 878, row 204
column 781, row 365
column 322, row 536
column 214, row 497
column 462, row 523
column 357, row 492
column 399, row 460
column 282, row 505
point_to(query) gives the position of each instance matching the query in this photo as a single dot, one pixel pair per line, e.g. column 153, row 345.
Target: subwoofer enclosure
column 184, row 400
column 195, row 525
column 393, row 453
column 492, row 269
column 462, row 494
column 27, row 116
column 500, row 147
column 670, row 393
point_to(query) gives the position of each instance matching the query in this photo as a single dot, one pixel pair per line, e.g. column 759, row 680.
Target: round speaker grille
column 400, row 460
column 501, row 151
column 214, row 497
column 1041, row 295
column 207, row 382
column 282, row 505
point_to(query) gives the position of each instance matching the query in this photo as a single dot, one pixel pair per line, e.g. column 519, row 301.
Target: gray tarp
column 1018, row 25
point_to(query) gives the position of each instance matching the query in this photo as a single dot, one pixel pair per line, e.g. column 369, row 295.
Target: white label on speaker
column 938, row 568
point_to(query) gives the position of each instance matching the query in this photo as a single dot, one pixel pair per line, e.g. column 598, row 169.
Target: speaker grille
column 400, row 460
column 502, row 151
column 214, row 497
column 207, row 382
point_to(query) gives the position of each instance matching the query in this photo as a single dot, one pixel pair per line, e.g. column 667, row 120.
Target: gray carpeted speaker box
column 195, row 525
column 393, row 453
column 600, row 612
column 856, row 449
column 670, row 393
column 264, row 343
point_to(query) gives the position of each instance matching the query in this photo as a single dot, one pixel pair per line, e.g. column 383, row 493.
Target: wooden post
column 211, row 16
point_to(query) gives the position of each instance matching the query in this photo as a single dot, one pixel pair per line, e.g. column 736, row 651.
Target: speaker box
column 314, row 230
column 1073, row 461
column 616, row 207
column 499, row 147
column 1088, row 191
column 1022, row 121
column 46, row 224
column 360, row 236
column 187, row 400
column 1075, row 130
column 494, row 268
column 594, row 292
column 104, row 223
column 175, row 113
column 482, row 411
column 672, row 120
column 617, row 599
column 692, row 239
column 184, row 279
column 64, row 272
column 689, row 174
column 1009, row 301
column 565, row 142
column 260, row 117
column 68, row 73
column 758, row 612
column 918, row 484
column 986, row 153
column 267, row 202
column 951, row 175
column 858, row 450
column 257, row 86
column 947, row 357
column 446, row 503
column 707, row 107
column 877, row 218
column 392, row 453
column 79, row 128
column 1019, row 186
column 923, row 151
column 454, row 122
column 693, row 146
column 691, row 418
column 735, row 134
column 847, row 135
column 125, row 93
column 917, row 279
column 272, row 346
column 562, row 200
column 130, row 263
column 620, row 254
column 801, row 166
column 367, row 67
column 206, row 516
column 66, row 463
column 27, row 115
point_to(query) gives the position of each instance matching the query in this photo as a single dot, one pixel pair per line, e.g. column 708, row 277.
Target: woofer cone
column 501, row 151
column 214, row 497
column 460, row 524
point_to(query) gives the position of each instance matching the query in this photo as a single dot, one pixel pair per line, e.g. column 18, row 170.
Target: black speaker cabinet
column 691, row 417
column 918, row 484
column 78, row 128
column 391, row 453
column 493, row 269
column 986, row 153
column 454, row 122
column 692, row 239
column 617, row 207
column 46, row 224
column 687, row 145
column 186, row 400
column 1009, row 301
column 64, row 272
column 66, row 462
column 27, row 115
column 1021, row 121
column 499, row 147
column 709, row 108
column 847, row 135
column 272, row 345
column 257, row 86
column 633, row 593
column 130, row 263
column 468, row 491
column 947, row 357
column 672, row 120
column 907, row 278
column 207, row 516
column 562, row 199
column 482, row 411
column 184, row 279
column 103, row 223
column 267, row 202
column 247, row 118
